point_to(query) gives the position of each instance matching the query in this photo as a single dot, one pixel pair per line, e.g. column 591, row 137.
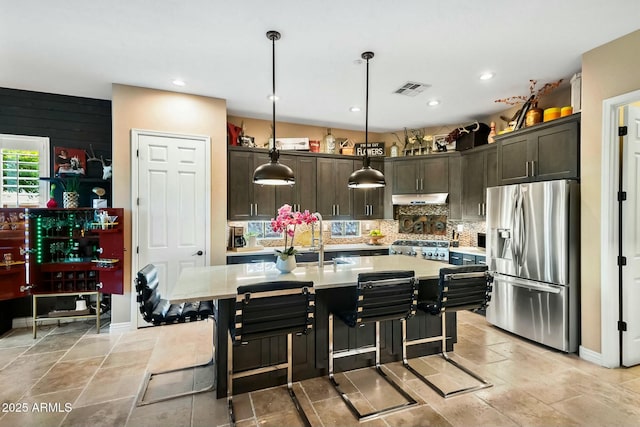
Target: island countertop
column 222, row 281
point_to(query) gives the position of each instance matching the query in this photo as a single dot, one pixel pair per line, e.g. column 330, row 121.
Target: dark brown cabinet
column 369, row 203
column 334, row 199
column 423, row 175
column 543, row 152
column 302, row 195
column 246, row 200
column 479, row 172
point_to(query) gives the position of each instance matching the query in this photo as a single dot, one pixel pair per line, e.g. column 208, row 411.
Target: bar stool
column 155, row 309
column 389, row 295
column 459, row 288
column 265, row 310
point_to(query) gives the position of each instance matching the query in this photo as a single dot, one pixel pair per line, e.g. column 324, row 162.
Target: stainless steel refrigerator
column 533, row 249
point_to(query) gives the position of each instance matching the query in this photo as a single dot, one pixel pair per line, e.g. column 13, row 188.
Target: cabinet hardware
column 25, row 288
column 338, row 210
column 256, row 209
column 199, row 253
column 479, row 210
column 417, row 188
column 533, row 170
column 422, row 183
column 526, row 166
column 454, row 257
column 484, row 209
column 251, row 209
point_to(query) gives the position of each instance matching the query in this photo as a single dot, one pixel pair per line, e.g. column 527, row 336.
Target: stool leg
column 292, row 395
column 232, row 416
column 330, row 346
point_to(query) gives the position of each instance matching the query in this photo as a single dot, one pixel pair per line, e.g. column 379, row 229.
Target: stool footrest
column 353, row 352
column 410, row 401
column 262, row 370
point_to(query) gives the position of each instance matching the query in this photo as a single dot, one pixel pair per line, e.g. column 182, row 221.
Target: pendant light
column 274, row 172
column 366, row 177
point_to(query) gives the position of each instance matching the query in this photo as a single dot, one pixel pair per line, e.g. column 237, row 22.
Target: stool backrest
column 147, row 288
column 465, row 287
column 273, row 308
column 385, row 295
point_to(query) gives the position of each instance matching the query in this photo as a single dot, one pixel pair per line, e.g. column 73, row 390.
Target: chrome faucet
column 318, row 241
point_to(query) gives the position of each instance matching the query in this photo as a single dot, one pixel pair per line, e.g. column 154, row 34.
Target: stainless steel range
column 436, row 250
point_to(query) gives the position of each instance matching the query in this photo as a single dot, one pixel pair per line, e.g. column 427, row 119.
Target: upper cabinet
column 543, row 152
column 421, row 175
column 245, row 200
column 302, row 195
column 479, row 171
column 334, row 199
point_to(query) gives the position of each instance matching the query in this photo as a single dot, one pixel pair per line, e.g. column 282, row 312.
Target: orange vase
column 534, row 115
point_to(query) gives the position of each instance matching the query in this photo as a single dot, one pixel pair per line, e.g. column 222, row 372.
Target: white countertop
column 221, row 281
column 470, row 250
column 302, row 249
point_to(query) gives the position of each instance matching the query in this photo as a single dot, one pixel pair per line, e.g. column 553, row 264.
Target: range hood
column 419, row 199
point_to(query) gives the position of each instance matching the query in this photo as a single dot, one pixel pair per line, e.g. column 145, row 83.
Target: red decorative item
column 52, row 203
column 233, row 133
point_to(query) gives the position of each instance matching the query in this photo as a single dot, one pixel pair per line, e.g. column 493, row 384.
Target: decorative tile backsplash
column 389, row 228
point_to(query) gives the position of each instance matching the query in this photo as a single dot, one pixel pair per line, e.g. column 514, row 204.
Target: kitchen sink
column 334, row 261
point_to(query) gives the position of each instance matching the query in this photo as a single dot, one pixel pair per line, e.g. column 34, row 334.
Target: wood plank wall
column 68, row 121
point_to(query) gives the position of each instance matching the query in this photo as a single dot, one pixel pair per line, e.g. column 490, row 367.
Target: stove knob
column 392, row 251
column 413, row 253
column 429, row 254
column 424, row 254
column 441, row 255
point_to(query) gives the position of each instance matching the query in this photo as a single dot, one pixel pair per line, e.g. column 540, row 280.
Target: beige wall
column 607, row 71
column 149, row 109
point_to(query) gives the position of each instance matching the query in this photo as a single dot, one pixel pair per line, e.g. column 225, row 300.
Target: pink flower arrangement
column 286, row 222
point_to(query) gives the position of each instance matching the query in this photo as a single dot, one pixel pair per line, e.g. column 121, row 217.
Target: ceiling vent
column 411, row 88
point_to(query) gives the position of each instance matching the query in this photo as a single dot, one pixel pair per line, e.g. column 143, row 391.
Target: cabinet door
column 369, row 203
column 512, row 160
column 239, row 194
column 556, row 152
column 301, row 195
column 306, row 183
column 455, row 187
column 325, row 200
column 473, row 185
column 13, row 273
column 405, row 177
column 264, row 196
column 344, row 200
column 435, row 175
column 455, row 258
column 491, row 168
column 334, row 199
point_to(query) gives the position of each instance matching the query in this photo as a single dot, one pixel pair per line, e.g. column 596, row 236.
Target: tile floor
column 71, row 376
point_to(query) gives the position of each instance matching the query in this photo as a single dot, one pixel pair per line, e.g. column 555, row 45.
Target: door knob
column 199, row 253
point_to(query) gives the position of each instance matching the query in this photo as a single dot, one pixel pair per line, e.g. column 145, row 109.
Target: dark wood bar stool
column 389, row 295
column 459, row 288
column 265, row 310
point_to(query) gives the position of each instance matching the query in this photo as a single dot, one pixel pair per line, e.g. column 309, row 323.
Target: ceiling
column 219, row 48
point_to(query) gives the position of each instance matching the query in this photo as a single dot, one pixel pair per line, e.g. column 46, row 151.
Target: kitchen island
column 310, row 351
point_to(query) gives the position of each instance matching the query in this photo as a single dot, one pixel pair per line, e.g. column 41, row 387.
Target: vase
column 51, row 203
column 70, row 199
column 286, row 265
column 533, row 116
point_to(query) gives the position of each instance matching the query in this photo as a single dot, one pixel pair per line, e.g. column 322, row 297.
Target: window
column 24, row 160
column 345, row 228
column 262, row 230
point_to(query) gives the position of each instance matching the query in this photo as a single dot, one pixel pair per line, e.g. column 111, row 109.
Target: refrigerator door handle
column 527, row 284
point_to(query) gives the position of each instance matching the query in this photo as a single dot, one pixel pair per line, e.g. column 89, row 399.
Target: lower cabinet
column 461, row 258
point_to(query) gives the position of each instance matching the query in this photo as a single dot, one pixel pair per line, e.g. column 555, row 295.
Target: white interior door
column 631, row 238
column 173, row 209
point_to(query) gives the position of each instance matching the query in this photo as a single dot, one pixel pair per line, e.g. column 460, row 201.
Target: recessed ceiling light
column 179, row 82
column 354, row 109
column 273, row 97
column 486, row 76
column 433, row 103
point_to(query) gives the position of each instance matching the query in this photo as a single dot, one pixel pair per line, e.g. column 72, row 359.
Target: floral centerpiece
column 287, row 221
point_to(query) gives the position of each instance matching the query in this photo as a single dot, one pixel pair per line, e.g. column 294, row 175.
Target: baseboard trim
column 27, row 321
column 590, row 356
column 120, row 327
